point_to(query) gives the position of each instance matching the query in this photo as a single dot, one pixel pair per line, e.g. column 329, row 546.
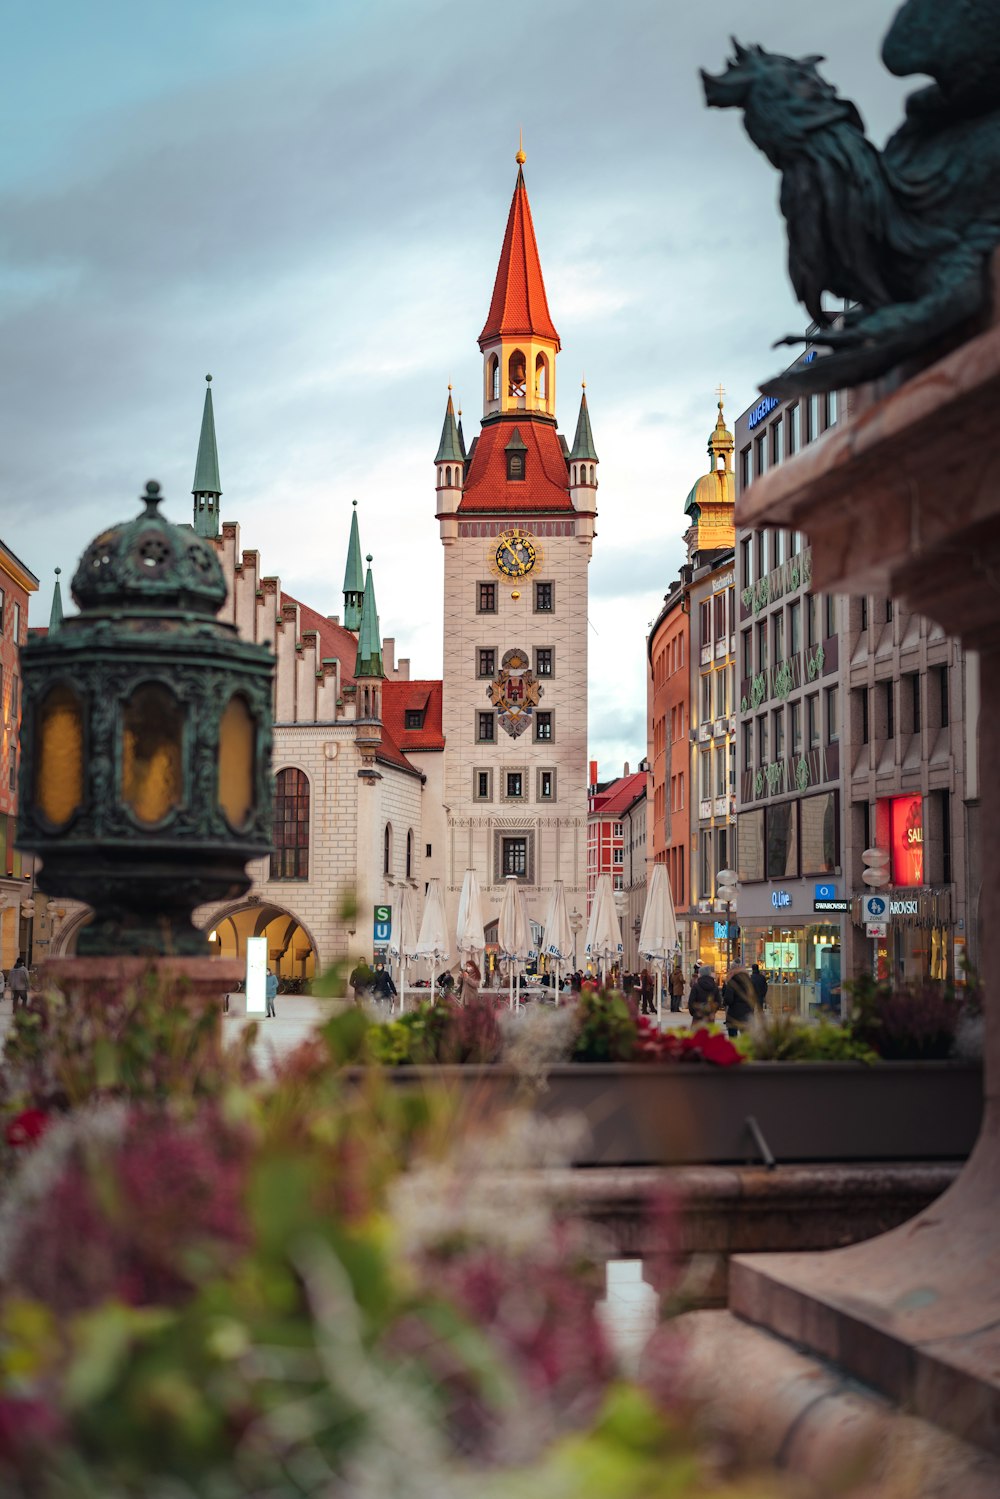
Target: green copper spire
column 56, row 615
column 583, row 442
column 461, row 436
column 354, row 578
column 207, row 487
column 450, row 446
column 369, row 662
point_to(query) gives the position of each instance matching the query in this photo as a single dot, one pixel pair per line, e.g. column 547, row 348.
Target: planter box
column 691, row 1114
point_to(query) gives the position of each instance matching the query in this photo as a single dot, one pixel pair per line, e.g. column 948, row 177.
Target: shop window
column 818, row 835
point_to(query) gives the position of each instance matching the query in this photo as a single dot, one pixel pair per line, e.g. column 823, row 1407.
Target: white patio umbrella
column 403, row 940
column 513, row 932
column 470, row 935
column 604, row 933
column 558, row 939
column 658, row 932
column 432, row 939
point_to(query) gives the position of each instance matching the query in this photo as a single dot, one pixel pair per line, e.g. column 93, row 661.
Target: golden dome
column 716, row 488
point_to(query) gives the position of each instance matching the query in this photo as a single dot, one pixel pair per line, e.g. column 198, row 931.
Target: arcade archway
column 291, row 951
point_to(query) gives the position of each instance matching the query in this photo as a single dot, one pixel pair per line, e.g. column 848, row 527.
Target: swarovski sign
column 903, row 908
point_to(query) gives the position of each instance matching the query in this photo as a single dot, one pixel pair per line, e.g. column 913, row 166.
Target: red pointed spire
column 519, row 307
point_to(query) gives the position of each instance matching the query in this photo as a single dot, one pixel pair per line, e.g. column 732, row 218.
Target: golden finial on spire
column 520, row 158
column 583, row 381
column 720, row 391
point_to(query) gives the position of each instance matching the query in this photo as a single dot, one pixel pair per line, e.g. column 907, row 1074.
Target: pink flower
column 27, row 1128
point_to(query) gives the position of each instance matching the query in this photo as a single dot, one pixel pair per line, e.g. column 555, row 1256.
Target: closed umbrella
column 432, row 940
column 604, row 933
column 404, row 935
column 513, row 936
column 470, row 935
column 658, row 933
column 558, row 938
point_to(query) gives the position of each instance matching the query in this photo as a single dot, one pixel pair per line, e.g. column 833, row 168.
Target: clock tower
column 516, row 516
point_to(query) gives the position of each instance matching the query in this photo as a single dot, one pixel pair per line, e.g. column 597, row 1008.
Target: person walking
column 759, row 985
column 647, row 993
column 383, row 987
column 704, row 997
column 740, row 1000
column 360, row 980
column 18, row 983
column 470, row 982
column 270, row 994
column 676, row 988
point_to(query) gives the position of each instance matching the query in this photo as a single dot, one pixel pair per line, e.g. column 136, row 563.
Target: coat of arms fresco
column 515, row 692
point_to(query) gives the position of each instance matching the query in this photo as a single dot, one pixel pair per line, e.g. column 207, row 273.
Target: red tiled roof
column 519, row 307
column 334, row 641
column 619, row 796
column 545, row 485
column 397, row 698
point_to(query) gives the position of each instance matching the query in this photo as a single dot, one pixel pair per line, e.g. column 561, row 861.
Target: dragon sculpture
column 904, row 235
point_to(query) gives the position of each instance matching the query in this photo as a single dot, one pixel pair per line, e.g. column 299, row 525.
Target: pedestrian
column 18, row 982
column 759, row 985
column 676, row 988
column 647, row 993
column 740, row 1000
column 360, row 980
column 270, row 993
column 382, row 986
column 470, row 982
column 704, row 996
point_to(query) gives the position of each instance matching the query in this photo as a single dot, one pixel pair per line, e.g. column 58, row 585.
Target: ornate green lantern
column 146, row 733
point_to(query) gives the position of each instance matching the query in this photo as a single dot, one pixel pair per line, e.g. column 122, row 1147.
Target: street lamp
column 575, row 923
column 725, row 890
column 146, row 766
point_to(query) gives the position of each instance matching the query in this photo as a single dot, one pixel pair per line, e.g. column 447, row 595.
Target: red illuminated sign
column 906, row 832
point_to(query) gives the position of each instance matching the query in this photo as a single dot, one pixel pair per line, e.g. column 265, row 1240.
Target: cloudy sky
column 308, row 200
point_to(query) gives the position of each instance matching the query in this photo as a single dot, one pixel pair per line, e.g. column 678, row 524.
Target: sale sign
column 906, row 830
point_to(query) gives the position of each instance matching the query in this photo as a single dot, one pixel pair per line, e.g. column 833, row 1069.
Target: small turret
column 450, row 468
column 354, row 578
column 56, row 612
column 583, row 463
column 369, row 673
column 207, row 489
column 369, row 658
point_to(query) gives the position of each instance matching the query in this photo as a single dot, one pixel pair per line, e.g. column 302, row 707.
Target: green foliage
column 782, row 1038
column 607, row 1028
column 148, row 1042
column 918, row 1022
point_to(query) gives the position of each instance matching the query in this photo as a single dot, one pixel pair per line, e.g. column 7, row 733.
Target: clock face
column 516, row 553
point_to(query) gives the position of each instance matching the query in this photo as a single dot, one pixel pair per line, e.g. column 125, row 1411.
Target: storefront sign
column 906, row 825
column 762, row 409
column 826, row 892
column 904, row 907
column 831, row 905
column 781, row 899
column 724, row 930
column 727, row 580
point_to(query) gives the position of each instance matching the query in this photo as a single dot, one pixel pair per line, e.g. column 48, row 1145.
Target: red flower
column 27, row 1128
column 715, row 1048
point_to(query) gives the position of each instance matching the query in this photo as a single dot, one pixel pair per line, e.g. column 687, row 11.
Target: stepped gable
column 544, row 487
column 400, row 697
column 335, row 642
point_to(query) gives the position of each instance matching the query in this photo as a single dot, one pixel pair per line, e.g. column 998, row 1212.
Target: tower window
column 541, row 377
column 515, row 465
column 494, row 378
column 543, row 726
column 486, row 594
column 515, row 785
column 544, row 598
column 414, row 718
column 517, row 374
column 515, row 856
column 486, row 661
column 543, row 661
column 485, row 728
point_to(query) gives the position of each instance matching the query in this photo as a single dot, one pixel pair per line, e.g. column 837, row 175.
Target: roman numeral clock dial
column 515, row 554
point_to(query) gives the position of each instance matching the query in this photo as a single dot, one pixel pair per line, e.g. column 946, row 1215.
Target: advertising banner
column 256, row 975
column 906, row 831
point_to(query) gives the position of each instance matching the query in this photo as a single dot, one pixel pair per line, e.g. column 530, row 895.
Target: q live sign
column 383, row 925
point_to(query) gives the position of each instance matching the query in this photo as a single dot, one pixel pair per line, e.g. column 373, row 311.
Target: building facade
column 17, row 584
column 852, row 719
column 668, row 719
column 516, row 516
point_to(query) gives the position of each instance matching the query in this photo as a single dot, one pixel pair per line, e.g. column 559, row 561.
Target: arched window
column 517, row 374
column 541, row 377
column 447, row 477
column 290, row 860
column 593, row 474
column 409, row 854
column 494, row 369
column 387, row 849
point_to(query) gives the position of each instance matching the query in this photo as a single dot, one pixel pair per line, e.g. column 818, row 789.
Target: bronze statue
column 905, row 234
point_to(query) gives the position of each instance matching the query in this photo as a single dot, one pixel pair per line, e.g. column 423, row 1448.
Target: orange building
column 669, row 720
column 17, row 583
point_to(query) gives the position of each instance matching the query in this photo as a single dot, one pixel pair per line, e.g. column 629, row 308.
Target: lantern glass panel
column 151, row 754
column 59, row 773
column 237, row 733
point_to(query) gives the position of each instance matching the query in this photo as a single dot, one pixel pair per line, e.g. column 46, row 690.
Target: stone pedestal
column 904, row 500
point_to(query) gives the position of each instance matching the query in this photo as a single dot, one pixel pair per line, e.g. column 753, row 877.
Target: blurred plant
column 918, row 1022
column 783, row 1038
column 606, row 1027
